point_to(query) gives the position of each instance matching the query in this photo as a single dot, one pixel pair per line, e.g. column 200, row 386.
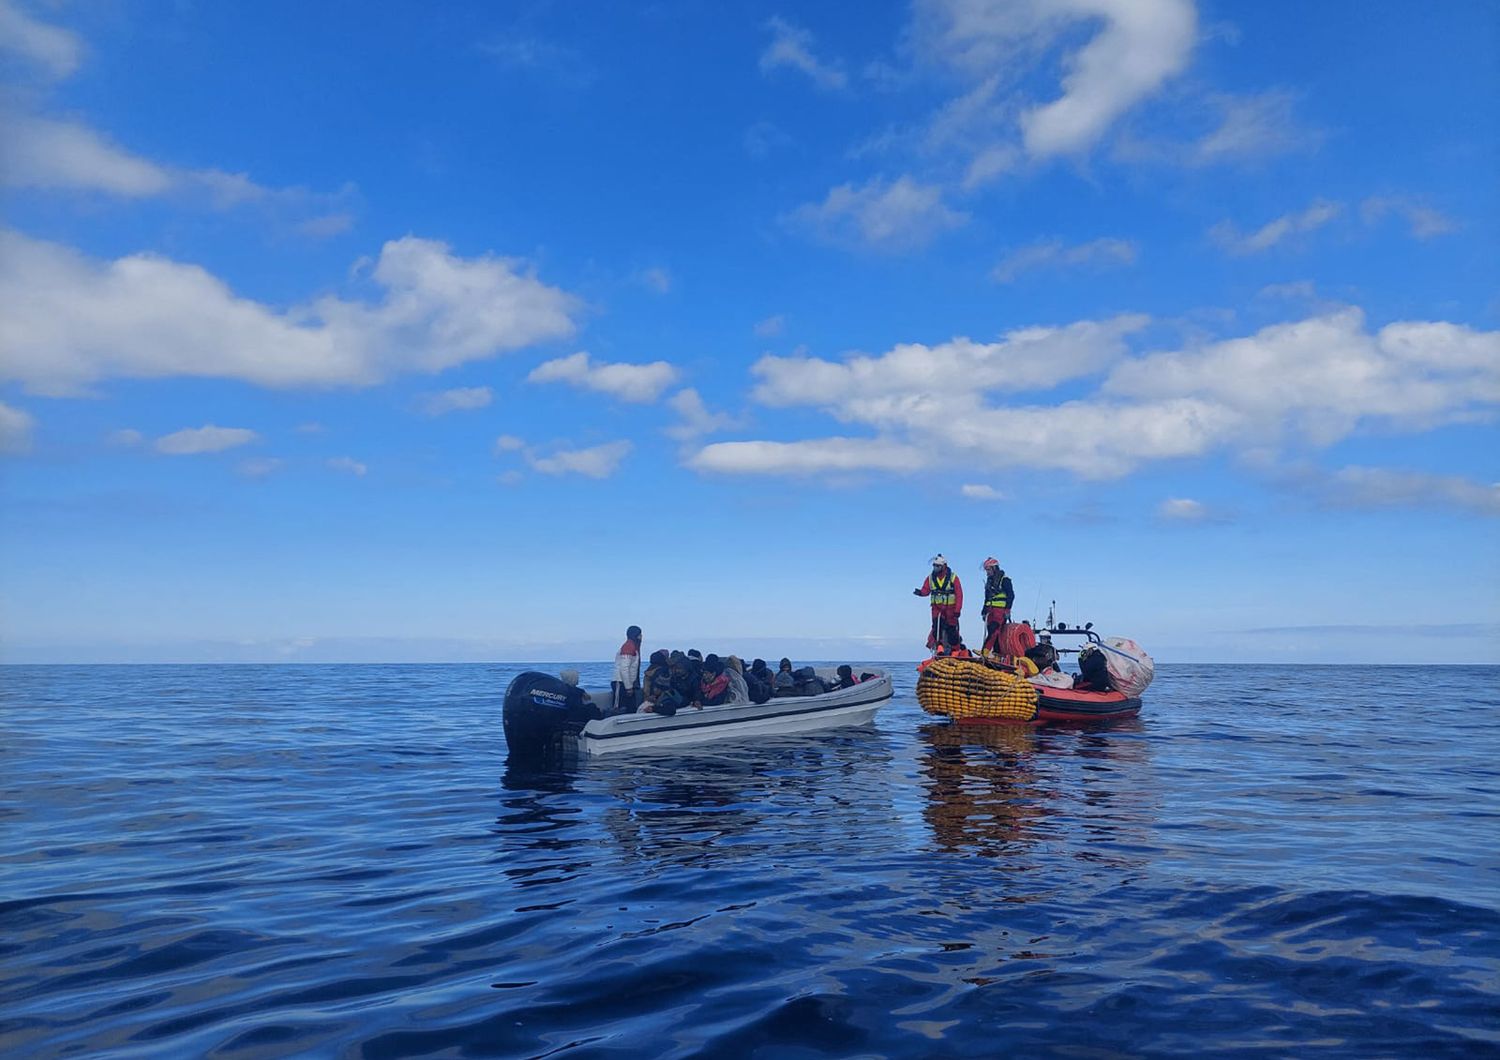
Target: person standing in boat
column 999, row 594
column 626, row 686
column 947, row 598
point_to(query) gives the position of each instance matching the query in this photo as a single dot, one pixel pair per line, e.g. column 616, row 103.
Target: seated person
column 713, row 684
column 739, row 688
column 846, row 676
column 1093, row 672
column 761, row 681
column 657, row 679
column 577, row 696
column 685, row 683
column 1044, row 655
column 809, row 683
column 784, row 683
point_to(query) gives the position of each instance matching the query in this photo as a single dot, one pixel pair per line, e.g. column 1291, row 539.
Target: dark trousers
column 944, row 632
column 622, row 700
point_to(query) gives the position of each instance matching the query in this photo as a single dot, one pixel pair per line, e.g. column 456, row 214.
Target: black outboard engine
column 543, row 716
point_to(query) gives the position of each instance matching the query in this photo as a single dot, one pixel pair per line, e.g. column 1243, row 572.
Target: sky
column 472, row 331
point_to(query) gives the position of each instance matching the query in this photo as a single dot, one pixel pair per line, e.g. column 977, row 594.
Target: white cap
column 939, row 560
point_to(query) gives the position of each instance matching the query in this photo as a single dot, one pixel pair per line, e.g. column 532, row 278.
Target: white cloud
column 880, row 214
column 44, row 153
column 1142, row 44
column 260, row 467
column 56, row 50
column 1228, row 236
column 1235, row 130
column 1423, row 221
column 770, row 327
column 68, row 321
column 629, row 382
column 1318, row 378
column 599, row 461
column 333, row 224
column 1292, row 291
column 991, row 163
column 1137, row 47
column 347, row 465
column 310, row 428
column 1183, row 510
column 1309, row 383
column 979, row 491
column 206, row 439
column 923, row 377
column 1255, row 127
column 814, row 456
column 509, row 443
column 125, row 438
column 459, row 399
column 1053, row 253
column 791, row 47
column 1374, row 487
column 52, row 154
column 15, row 428
column 696, row 417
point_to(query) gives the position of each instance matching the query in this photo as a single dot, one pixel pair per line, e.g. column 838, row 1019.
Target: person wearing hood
column 784, row 683
column 761, row 681
column 625, row 689
column 946, row 594
column 999, row 595
column 658, row 680
column 713, row 682
column 739, row 690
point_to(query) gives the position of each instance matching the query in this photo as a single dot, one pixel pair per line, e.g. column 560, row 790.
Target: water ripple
column 263, row 861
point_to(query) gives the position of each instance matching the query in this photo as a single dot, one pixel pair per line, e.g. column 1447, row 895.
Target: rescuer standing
column 998, row 597
column 947, row 598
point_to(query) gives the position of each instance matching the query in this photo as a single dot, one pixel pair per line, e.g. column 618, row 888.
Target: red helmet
column 991, row 562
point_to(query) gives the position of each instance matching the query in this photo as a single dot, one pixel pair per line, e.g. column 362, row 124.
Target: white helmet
column 939, row 561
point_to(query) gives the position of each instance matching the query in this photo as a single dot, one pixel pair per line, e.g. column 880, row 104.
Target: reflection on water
column 981, row 786
column 992, row 789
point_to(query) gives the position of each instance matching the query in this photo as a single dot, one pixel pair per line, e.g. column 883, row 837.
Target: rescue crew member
column 999, row 595
column 947, row 598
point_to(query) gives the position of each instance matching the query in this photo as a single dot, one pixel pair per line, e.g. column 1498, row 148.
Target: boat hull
column 1065, row 704
column 636, row 732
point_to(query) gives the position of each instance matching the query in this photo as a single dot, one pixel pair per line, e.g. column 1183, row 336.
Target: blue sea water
column 337, row 861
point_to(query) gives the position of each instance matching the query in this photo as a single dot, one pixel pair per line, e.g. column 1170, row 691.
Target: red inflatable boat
column 1071, row 704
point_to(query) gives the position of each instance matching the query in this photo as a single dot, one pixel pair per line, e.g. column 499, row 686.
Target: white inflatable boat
column 537, row 721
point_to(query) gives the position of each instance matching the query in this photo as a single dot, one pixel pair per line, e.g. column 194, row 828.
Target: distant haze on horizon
column 475, row 332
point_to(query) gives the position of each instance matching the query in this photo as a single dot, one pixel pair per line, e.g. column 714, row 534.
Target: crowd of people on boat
column 682, row 680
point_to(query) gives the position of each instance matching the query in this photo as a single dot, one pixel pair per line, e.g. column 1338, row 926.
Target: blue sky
column 477, row 331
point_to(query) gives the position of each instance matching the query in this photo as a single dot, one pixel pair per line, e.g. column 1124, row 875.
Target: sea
column 303, row 860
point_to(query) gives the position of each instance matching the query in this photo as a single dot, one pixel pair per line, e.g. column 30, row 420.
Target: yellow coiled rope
column 965, row 689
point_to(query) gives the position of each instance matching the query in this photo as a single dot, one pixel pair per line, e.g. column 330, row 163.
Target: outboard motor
column 543, row 716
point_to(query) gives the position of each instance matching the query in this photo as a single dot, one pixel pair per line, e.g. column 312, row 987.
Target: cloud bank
column 68, row 321
column 1306, row 383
